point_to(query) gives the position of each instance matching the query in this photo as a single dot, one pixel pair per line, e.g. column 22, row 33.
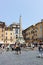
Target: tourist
column 40, row 50
column 0, row 49
column 18, row 49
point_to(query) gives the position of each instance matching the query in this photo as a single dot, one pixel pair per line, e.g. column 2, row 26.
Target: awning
column 1, row 42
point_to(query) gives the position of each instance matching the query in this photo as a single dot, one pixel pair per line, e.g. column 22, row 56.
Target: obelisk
column 20, row 38
column 20, row 30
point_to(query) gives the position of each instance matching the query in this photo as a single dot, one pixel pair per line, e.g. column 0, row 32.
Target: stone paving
column 25, row 58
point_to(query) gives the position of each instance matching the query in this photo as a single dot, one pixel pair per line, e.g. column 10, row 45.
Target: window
column 10, row 37
column 2, row 39
column 11, row 33
column 40, row 27
column 16, row 36
column 6, row 33
column 28, row 38
column 2, row 29
column 2, row 35
column 16, row 31
column 32, row 37
column 35, row 30
column 29, row 33
column 32, row 31
column 6, row 37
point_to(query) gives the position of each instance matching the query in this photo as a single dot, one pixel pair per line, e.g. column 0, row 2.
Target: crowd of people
column 17, row 48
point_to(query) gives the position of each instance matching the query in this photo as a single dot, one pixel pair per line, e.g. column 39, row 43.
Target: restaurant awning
column 1, row 42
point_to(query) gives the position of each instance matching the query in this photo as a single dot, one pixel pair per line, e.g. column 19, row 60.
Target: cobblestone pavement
column 25, row 58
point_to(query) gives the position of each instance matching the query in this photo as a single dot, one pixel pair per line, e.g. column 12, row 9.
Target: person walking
column 40, row 50
column 18, row 49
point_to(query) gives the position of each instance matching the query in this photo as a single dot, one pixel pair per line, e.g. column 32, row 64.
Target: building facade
column 12, row 33
column 9, row 36
column 34, row 33
column 15, row 27
column 2, row 32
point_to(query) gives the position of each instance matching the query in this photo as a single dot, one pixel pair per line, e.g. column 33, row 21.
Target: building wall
column 34, row 33
column 2, row 32
column 15, row 27
column 39, row 31
column 42, row 29
column 9, row 37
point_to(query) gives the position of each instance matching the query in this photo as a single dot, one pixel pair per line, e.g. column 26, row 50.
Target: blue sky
column 30, row 10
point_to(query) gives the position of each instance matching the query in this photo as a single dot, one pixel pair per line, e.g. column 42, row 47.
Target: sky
column 30, row 10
